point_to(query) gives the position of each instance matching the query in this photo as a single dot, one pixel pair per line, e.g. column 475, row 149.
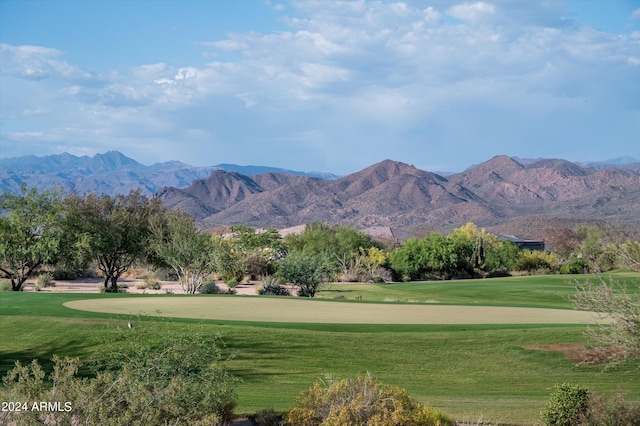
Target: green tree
column 435, row 254
column 305, row 270
column 249, row 239
column 30, row 233
column 502, row 256
column 113, row 231
column 410, row 260
column 341, row 243
column 178, row 244
column 256, row 251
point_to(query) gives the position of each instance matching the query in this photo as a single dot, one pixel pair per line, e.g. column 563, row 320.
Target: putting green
column 262, row 309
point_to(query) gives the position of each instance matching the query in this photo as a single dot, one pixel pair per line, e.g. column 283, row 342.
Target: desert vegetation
column 44, row 235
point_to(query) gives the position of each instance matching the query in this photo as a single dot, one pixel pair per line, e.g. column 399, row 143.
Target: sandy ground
column 92, row 285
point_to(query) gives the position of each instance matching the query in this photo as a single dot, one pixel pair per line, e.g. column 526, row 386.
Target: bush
column 576, row 406
column 149, row 282
column 148, row 380
column 566, row 405
column 267, row 417
column 576, row 266
column 165, row 274
column 361, row 401
column 614, row 411
column 45, row 280
column 269, row 287
column 232, row 283
column 498, row 274
column 64, row 274
column 209, row 288
column 5, row 285
column 533, row 260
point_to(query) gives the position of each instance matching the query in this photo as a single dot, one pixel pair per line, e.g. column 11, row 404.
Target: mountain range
column 493, row 194
column 111, row 173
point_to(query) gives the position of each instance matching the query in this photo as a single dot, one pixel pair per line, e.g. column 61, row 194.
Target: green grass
column 471, row 372
column 541, row 291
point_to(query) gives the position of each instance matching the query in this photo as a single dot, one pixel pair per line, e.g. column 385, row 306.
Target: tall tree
column 30, row 233
column 177, row 243
column 113, row 231
column 341, row 243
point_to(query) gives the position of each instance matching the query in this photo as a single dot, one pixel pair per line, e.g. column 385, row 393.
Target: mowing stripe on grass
column 261, row 309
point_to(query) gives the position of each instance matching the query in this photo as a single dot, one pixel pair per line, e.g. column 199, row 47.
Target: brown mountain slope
column 396, row 194
column 543, row 184
column 210, row 195
column 387, row 193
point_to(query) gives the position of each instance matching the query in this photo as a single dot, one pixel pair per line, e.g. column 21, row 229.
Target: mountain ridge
column 389, row 193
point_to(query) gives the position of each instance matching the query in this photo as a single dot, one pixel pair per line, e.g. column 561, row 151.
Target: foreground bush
column 566, row 404
column 574, row 405
column 172, row 379
column 360, row 402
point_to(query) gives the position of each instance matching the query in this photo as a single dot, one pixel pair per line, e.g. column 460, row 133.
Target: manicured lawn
column 472, row 372
column 549, row 291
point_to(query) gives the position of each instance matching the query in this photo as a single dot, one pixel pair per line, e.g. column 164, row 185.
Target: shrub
column 613, row 411
column 209, row 288
column 64, row 274
column 5, row 285
column 382, row 274
column 360, row 401
column 267, row 417
column 232, row 283
column 269, row 287
column 150, row 282
column 165, row 274
column 566, row 404
column 576, row 266
column 45, row 280
column 498, row 274
column 173, row 379
column 532, row 260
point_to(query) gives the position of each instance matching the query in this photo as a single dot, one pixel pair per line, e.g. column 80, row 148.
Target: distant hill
column 504, row 193
column 395, row 194
column 111, row 173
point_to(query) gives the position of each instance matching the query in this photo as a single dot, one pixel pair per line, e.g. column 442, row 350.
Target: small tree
column 305, row 270
column 619, row 340
column 177, row 243
column 30, row 233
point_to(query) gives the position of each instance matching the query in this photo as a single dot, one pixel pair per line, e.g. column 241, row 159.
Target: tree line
column 44, row 228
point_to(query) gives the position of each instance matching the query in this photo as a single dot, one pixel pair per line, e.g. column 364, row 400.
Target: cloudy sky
column 321, row 85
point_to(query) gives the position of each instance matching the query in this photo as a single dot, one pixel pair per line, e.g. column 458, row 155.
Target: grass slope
column 472, row 372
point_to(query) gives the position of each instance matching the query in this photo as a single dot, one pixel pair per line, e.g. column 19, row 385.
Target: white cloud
column 471, row 11
column 636, row 14
column 348, row 77
column 37, row 62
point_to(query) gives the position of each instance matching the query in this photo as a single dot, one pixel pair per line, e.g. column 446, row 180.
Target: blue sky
column 321, row 85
